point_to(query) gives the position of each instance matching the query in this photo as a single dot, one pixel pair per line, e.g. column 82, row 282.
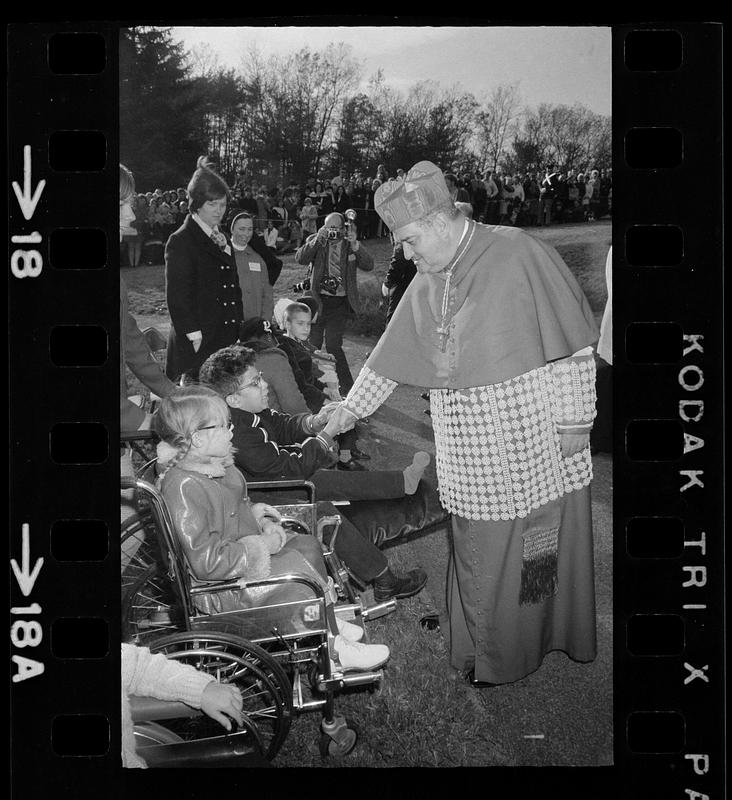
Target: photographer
column 334, row 253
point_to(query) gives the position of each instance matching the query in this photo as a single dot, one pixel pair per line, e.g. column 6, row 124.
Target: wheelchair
column 281, row 668
column 161, row 747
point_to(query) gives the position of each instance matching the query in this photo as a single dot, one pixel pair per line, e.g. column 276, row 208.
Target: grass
column 424, row 715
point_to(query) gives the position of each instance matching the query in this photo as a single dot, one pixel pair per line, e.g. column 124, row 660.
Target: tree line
column 285, row 118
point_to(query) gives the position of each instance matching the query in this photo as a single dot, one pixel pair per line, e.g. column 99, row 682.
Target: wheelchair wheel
column 264, row 686
column 149, row 609
column 339, row 741
column 149, row 733
column 138, row 547
column 209, row 753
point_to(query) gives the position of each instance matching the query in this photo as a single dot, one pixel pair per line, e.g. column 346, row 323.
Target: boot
column 388, row 585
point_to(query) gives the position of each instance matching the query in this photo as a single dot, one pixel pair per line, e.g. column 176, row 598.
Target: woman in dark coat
column 327, row 203
column 342, row 200
column 201, row 283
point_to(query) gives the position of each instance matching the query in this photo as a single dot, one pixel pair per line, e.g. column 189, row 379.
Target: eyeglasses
column 254, row 382
column 229, row 425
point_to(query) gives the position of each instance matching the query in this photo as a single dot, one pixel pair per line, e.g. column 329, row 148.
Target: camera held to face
column 334, row 234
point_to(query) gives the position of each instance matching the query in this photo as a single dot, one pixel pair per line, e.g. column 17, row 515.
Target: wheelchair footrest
column 379, row 609
column 341, row 680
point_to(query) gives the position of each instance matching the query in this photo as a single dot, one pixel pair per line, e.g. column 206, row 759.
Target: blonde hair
column 296, row 308
column 182, row 413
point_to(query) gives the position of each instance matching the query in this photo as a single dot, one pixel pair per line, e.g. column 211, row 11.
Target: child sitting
column 323, row 363
column 274, row 446
column 297, row 320
column 223, row 535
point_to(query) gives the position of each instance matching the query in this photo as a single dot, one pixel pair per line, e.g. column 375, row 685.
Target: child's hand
column 324, row 355
column 339, row 422
column 274, row 537
column 262, row 510
column 221, row 701
column 322, row 417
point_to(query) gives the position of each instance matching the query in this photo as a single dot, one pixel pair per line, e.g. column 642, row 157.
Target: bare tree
column 203, row 61
column 495, row 122
column 570, row 137
column 295, row 104
column 298, row 115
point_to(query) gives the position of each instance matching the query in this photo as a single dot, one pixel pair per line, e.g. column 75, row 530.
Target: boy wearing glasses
column 269, row 445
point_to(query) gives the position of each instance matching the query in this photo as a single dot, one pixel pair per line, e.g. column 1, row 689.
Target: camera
column 330, row 284
column 334, row 234
column 303, row 286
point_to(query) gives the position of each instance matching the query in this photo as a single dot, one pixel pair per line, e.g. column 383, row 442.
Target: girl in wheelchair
column 223, row 535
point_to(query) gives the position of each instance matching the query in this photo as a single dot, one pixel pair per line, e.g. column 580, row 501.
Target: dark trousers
column 353, row 546
column 331, row 326
column 332, row 484
column 545, row 210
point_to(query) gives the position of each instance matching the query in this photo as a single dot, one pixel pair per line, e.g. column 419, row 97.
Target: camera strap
column 333, row 262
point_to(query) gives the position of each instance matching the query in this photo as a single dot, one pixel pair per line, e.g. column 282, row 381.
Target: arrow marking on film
column 28, row 200
column 25, row 578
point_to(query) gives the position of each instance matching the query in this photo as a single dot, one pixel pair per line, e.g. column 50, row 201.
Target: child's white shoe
column 354, row 633
column 358, row 656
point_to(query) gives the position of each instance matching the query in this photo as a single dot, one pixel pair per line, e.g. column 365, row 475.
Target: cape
column 514, row 306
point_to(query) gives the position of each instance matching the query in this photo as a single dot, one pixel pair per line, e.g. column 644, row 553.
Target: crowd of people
column 284, row 216
column 511, row 385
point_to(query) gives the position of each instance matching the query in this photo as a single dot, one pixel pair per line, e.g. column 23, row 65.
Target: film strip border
column 668, row 413
column 668, row 476
column 64, row 421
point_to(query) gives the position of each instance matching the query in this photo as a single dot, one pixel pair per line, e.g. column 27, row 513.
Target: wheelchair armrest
column 242, row 583
column 309, row 486
column 241, row 750
column 324, row 522
column 150, row 709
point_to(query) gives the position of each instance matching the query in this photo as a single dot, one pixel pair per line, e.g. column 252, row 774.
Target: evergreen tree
column 162, row 130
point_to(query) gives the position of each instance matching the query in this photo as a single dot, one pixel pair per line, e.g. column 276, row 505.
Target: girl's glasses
column 229, row 425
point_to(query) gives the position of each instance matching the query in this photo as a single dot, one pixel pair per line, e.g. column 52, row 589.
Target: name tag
column 255, row 266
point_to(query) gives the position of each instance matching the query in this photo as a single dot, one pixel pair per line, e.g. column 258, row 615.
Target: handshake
column 333, row 419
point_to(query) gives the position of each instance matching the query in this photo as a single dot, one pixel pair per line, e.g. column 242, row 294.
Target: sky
column 558, row 65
